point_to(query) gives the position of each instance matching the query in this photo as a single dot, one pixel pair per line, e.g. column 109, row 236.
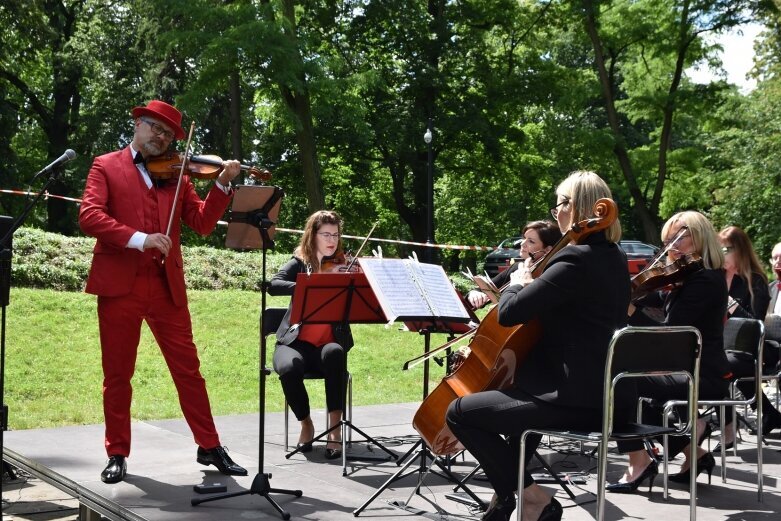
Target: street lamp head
column 427, row 136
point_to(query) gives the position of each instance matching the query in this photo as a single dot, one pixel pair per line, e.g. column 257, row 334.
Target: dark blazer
column 701, row 302
column 112, row 211
column 284, row 283
column 773, row 287
column 580, row 299
column 738, row 290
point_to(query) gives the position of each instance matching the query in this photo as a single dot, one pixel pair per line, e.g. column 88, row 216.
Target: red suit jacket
column 112, row 211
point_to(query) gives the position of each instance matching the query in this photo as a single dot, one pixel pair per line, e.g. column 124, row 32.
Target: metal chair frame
column 620, row 364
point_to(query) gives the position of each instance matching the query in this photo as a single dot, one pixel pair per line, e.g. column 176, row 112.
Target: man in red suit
column 137, row 275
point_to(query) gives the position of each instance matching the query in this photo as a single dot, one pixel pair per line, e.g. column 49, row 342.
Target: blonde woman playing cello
column 580, row 299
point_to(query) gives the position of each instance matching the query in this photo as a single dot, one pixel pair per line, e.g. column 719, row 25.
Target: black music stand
column 338, row 298
column 252, row 224
column 422, row 453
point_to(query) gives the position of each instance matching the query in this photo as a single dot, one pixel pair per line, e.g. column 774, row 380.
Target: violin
column 340, row 263
column 169, row 164
column 656, row 277
column 496, row 351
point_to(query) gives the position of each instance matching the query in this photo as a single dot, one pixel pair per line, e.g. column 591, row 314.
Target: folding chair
column 634, row 352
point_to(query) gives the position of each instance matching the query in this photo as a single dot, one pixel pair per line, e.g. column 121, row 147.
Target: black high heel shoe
column 650, row 473
column 552, row 511
column 304, row 447
column 705, row 462
column 499, row 509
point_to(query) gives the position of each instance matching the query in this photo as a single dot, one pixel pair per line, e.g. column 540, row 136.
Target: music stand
column 338, row 298
column 252, row 223
column 422, row 453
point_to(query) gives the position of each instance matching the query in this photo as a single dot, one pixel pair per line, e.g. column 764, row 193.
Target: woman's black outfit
column 293, row 358
column 741, row 364
column 580, row 300
column 700, row 301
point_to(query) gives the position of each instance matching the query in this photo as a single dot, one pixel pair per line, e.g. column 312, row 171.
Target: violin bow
column 179, row 182
column 365, row 240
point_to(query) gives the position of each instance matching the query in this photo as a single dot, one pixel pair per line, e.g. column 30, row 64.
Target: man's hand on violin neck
column 230, row 170
column 159, row 241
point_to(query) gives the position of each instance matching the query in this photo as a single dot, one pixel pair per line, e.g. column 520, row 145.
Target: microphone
column 64, row 158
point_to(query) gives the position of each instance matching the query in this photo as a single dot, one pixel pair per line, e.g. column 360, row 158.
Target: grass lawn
column 53, row 375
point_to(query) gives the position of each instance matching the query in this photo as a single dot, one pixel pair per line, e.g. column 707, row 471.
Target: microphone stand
column 6, row 252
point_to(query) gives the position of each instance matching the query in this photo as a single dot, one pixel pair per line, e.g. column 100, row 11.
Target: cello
column 496, row 351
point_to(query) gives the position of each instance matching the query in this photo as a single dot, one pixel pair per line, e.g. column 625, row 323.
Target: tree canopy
column 334, row 99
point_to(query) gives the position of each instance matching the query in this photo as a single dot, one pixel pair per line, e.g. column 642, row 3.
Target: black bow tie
column 139, row 159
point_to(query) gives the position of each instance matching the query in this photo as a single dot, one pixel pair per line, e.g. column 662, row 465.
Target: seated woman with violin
column 694, row 294
column 538, row 239
column 580, row 299
column 320, row 347
column 749, row 297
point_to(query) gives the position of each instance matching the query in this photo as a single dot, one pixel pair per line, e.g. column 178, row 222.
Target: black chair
column 634, row 352
column 743, row 337
column 272, row 318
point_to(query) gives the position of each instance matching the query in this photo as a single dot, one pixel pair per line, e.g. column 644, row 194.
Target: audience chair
column 746, row 337
column 634, row 352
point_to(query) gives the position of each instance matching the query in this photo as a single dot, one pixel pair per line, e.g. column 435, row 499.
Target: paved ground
column 162, row 471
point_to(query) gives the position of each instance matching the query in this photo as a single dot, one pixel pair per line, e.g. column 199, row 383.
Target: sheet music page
column 397, row 292
column 439, row 291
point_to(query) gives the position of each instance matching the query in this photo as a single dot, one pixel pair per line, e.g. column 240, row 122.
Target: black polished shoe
column 727, row 446
column 115, row 470
column 649, row 473
column 770, row 422
column 705, row 462
column 220, row 459
column 500, row 509
column 304, row 447
column 552, row 511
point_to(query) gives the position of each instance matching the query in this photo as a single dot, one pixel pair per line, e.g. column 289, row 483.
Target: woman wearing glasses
column 699, row 300
column 749, row 298
column 312, row 347
column 538, row 239
column 559, row 385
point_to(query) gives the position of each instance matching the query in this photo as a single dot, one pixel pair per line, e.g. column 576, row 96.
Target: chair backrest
column 745, row 335
column 271, row 319
column 639, row 351
column 773, row 327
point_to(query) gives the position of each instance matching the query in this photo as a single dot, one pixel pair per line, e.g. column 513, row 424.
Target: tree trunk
column 647, row 219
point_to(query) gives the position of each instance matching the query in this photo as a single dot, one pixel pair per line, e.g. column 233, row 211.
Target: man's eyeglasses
column 158, row 130
column 329, row 236
column 554, row 210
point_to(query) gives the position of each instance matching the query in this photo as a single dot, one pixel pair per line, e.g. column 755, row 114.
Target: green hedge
column 52, row 261
column 49, row 260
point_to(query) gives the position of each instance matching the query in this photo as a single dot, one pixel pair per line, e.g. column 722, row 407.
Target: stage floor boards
column 162, row 471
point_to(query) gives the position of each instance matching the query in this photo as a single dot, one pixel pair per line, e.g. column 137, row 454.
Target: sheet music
column 408, row 289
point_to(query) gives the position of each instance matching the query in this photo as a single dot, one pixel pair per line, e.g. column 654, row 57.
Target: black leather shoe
column 770, row 422
column 552, row 511
column 220, row 459
column 727, row 446
column 115, row 470
column 304, row 447
column 650, row 473
column 333, row 453
column 705, row 462
column 500, row 509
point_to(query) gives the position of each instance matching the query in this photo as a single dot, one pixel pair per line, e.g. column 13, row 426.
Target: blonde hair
column 307, row 247
column 746, row 260
column 583, row 189
column 703, row 236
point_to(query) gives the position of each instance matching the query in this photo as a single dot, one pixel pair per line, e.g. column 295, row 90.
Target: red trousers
column 120, row 331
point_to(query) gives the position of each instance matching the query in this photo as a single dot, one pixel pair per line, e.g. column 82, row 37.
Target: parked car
column 638, row 254
column 499, row 259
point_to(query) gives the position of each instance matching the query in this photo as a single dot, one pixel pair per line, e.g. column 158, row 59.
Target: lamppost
column 428, row 137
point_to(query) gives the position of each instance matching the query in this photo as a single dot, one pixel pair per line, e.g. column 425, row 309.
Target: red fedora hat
column 164, row 112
